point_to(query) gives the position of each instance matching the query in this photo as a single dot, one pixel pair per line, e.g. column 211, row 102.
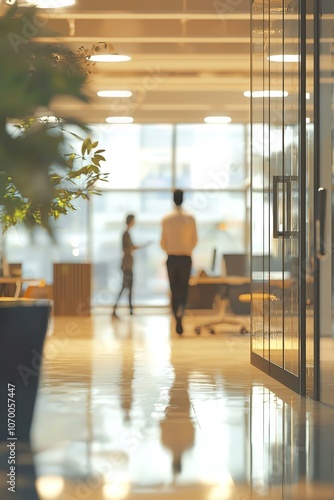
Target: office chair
column 203, row 296
column 230, row 294
column 225, row 294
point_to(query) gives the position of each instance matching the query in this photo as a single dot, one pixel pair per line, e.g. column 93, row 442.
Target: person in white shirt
column 178, row 239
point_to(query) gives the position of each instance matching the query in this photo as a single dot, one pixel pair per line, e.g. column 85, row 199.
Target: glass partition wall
column 277, row 181
column 292, row 270
column 292, row 336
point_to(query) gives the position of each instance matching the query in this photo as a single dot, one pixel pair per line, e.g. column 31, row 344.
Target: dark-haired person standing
column 178, row 239
column 127, row 262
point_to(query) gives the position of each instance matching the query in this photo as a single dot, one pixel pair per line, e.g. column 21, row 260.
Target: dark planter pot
column 23, row 327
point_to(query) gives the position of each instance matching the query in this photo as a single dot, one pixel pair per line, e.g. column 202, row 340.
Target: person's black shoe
column 131, row 312
column 179, row 328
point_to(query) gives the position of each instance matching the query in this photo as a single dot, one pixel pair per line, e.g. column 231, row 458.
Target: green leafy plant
column 77, row 180
column 38, row 180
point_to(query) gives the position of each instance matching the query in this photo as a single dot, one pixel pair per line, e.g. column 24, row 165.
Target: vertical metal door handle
column 282, row 208
column 275, row 206
column 320, row 223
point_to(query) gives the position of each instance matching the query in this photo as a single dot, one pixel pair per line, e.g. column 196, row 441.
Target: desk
column 18, row 282
column 219, row 280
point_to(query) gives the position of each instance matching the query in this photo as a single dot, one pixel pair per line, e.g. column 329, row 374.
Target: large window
column 145, row 163
column 138, row 156
column 210, row 156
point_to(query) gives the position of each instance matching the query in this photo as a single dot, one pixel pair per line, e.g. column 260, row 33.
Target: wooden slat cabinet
column 72, row 289
column 8, row 290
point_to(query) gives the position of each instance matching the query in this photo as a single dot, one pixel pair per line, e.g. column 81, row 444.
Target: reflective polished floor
column 128, row 409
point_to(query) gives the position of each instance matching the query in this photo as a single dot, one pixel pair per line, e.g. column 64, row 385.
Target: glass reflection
column 49, row 487
column 326, row 265
column 177, row 428
column 132, row 410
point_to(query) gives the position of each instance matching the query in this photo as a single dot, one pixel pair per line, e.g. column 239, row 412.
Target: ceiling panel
column 190, row 58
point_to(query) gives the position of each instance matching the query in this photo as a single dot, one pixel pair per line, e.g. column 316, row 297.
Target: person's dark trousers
column 178, row 268
column 127, row 283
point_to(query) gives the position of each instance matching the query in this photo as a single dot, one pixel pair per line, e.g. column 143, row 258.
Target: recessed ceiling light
column 52, row 4
column 308, row 95
column 217, row 119
column 119, row 119
column 308, row 120
column 109, row 58
column 114, row 93
column 284, row 58
column 266, row 93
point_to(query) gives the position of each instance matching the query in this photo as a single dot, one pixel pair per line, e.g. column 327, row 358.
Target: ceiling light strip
column 221, row 120
column 114, row 93
column 119, row 119
column 239, row 16
column 139, row 39
column 109, row 58
column 266, row 93
column 51, row 4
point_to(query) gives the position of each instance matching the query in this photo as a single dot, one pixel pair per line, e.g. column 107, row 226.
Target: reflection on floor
column 327, row 369
column 128, row 409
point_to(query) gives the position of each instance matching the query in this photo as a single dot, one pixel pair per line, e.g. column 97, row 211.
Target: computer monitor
column 213, row 261
column 236, row 264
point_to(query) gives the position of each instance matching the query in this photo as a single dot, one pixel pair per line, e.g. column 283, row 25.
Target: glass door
column 325, row 204
column 292, row 335
column 278, row 140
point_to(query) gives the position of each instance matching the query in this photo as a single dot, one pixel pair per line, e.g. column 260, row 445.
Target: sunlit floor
column 128, row 409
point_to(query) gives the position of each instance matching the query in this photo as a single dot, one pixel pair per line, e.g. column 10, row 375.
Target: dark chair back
column 236, row 264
